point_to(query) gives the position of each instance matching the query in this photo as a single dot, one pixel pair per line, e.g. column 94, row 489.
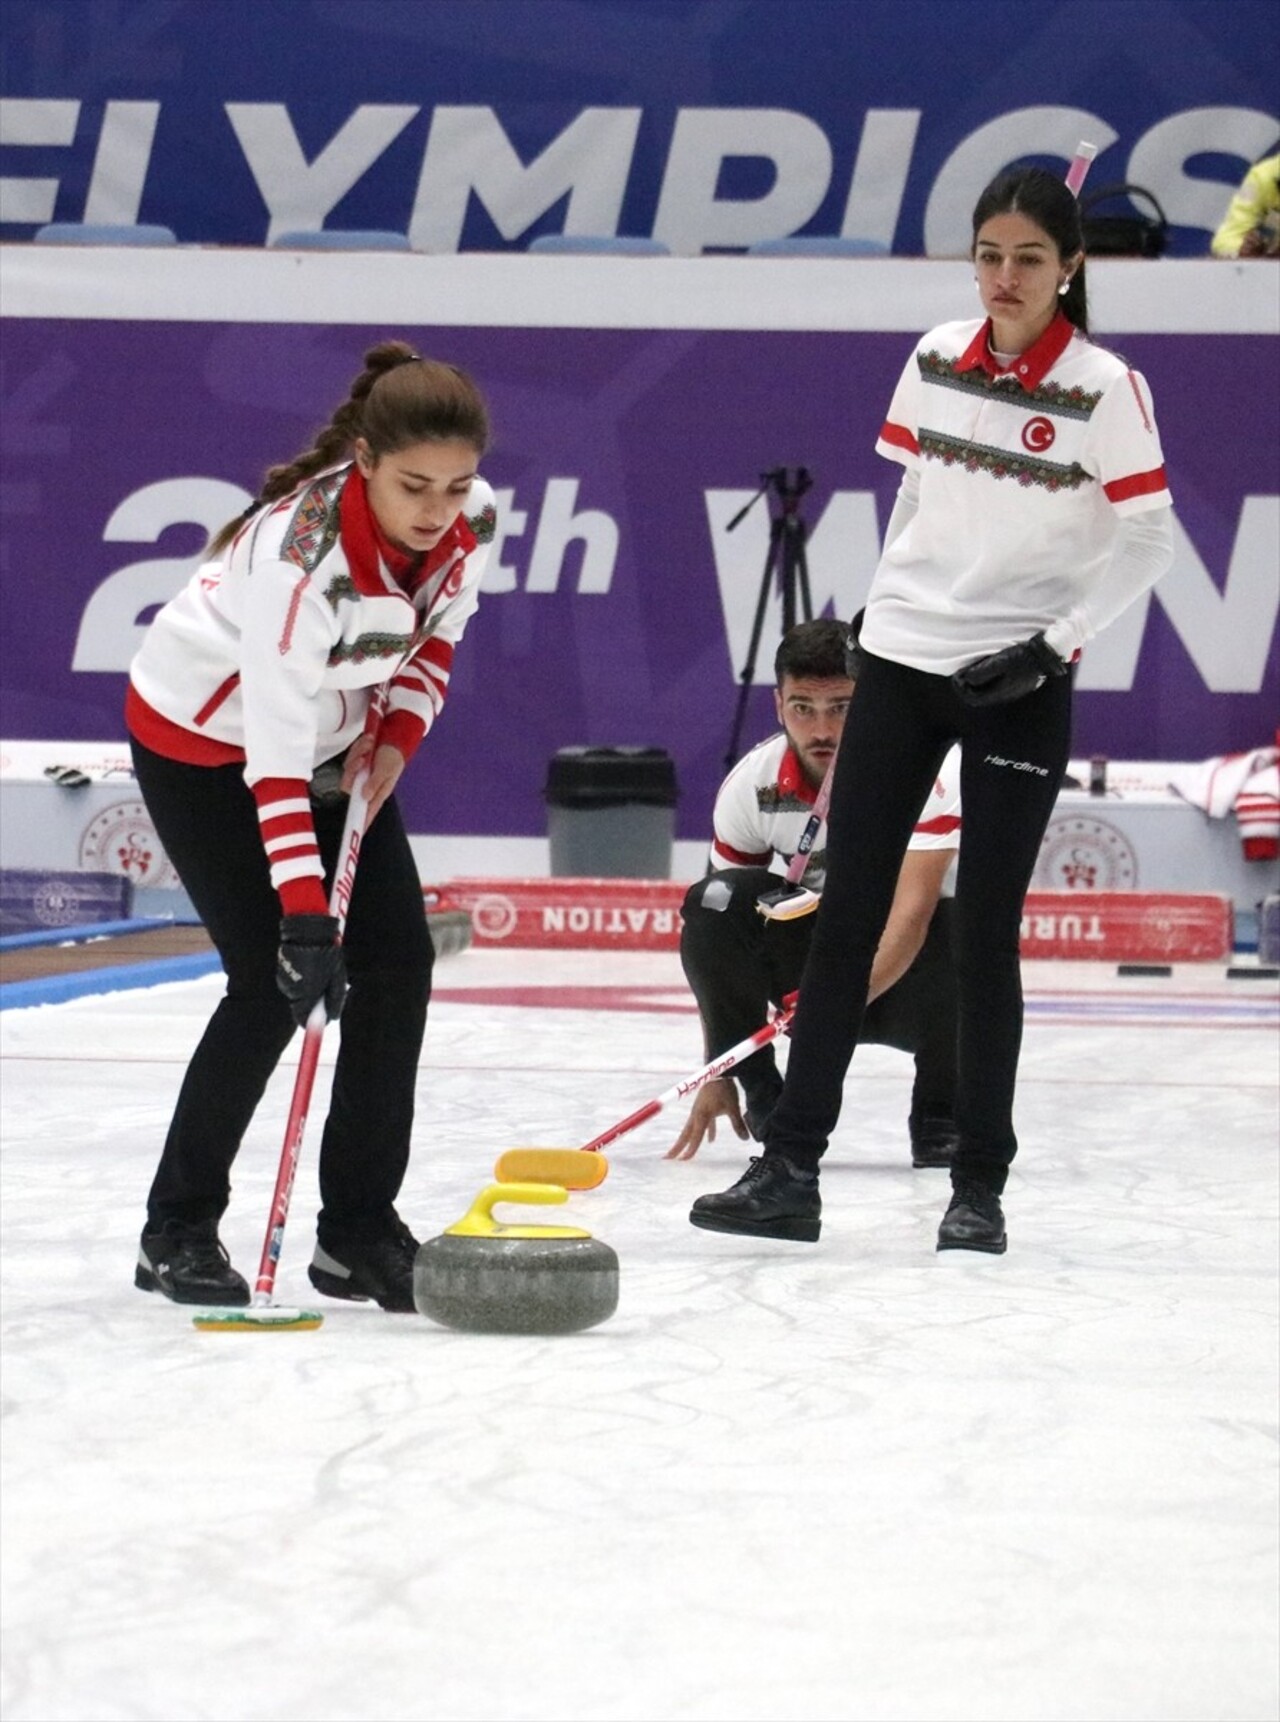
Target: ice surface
column 856, row 1479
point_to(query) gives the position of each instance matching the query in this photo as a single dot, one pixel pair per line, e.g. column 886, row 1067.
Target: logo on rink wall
column 58, row 903
column 494, row 917
column 569, row 914
column 122, row 839
column 1127, row 926
column 1080, row 854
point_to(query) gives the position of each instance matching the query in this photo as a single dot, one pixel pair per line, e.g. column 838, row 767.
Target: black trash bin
column 611, row 812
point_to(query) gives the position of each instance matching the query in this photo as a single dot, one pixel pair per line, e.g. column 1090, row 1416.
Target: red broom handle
column 313, row 1034
column 699, row 1079
column 809, row 836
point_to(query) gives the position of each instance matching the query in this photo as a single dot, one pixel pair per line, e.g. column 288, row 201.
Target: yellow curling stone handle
column 478, row 1221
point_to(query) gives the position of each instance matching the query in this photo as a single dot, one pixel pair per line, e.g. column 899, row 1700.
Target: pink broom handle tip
column 1080, row 162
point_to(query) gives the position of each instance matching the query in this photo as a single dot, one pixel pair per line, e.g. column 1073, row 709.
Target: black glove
column 852, row 650
column 310, row 965
column 1009, row 674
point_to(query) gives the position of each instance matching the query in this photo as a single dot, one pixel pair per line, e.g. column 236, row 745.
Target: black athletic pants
column 207, row 821
column 737, row 963
column 899, row 728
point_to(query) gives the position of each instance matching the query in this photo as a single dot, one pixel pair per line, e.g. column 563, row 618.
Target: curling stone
column 488, row 1277
column 451, row 931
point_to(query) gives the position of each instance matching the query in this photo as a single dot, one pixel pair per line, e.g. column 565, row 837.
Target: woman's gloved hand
column 1010, row 674
column 310, row 966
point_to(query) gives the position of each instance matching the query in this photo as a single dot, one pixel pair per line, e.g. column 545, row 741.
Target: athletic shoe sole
column 796, row 1231
column 230, row 1297
column 332, row 1286
column 352, row 1290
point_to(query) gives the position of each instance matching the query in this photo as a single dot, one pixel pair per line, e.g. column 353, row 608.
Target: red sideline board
column 644, row 915
column 567, row 914
column 1128, row 926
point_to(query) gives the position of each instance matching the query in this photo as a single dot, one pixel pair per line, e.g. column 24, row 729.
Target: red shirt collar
column 1029, row 368
column 369, row 550
column 792, row 780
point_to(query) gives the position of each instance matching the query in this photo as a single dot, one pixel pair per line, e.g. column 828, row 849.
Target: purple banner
column 618, row 609
column 485, row 125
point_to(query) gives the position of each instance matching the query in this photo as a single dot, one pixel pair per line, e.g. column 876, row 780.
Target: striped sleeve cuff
column 289, row 838
column 418, row 692
column 896, row 440
column 402, row 730
column 1137, row 484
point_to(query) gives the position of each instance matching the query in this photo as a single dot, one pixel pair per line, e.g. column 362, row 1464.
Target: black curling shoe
column 376, row 1269
column 974, row 1221
column 188, row 1264
column 772, row 1199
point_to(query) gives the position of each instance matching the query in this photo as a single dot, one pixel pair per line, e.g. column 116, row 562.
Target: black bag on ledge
column 1135, row 233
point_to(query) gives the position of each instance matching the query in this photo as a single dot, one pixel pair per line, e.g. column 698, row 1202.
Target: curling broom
column 262, row 1314
column 583, row 1168
column 792, row 899
column 1080, row 164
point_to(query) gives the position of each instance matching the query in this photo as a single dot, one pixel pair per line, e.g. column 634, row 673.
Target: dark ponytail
column 1043, row 198
column 397, row 400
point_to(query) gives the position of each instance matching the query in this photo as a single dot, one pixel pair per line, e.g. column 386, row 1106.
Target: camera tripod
column 787, row 561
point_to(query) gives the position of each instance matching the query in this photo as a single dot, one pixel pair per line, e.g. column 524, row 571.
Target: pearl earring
column 1062, row 287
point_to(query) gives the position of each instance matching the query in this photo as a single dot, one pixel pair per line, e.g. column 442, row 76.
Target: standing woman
column 1032, row 511
column 358, row 563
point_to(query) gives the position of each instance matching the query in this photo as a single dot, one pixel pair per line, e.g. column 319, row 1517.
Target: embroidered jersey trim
column 1002, row 462
column 310, row 535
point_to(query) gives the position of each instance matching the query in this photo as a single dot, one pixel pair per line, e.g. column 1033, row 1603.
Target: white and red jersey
column 766, row 801
column 1025, row 475
column 271, row 652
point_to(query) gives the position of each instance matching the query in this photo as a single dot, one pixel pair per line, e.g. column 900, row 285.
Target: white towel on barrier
column 1246, row 784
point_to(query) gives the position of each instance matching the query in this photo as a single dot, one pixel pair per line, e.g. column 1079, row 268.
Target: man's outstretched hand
column 719, row 1099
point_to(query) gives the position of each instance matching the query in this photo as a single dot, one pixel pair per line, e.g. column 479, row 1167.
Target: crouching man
column 739, row 960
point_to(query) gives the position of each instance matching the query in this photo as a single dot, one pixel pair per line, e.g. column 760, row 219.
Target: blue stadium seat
column 104, row 233
column 600, row 244
column 818, row 245
column 342, row 239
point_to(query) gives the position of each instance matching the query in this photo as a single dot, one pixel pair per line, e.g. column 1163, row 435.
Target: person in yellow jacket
column 1251, row 226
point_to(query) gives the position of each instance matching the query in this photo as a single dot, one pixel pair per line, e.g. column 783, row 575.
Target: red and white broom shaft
column 699, row 1079
column 313, row 1034
column 809, row 836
